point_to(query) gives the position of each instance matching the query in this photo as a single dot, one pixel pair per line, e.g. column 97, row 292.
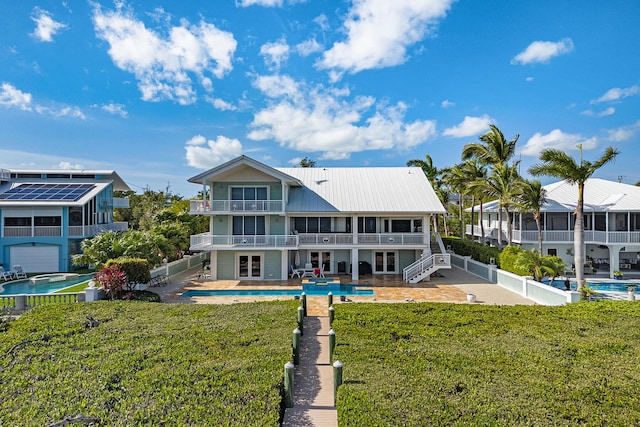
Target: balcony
column 561, row 236
column 203, row 207
column 94, row 230
column 367, row 239
column 201, row 242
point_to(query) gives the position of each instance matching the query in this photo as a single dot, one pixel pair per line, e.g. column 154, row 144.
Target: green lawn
column 447, row 365
column 146, row 364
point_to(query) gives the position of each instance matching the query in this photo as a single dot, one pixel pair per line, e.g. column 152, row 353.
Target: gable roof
column 239, row 163
column 600, row 195
column 374, row 190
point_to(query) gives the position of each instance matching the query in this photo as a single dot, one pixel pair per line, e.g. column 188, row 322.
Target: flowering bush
column 112, row 280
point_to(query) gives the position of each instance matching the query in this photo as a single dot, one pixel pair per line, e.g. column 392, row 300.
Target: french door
column 385, row 262
column 321, row 260
column 249, row 266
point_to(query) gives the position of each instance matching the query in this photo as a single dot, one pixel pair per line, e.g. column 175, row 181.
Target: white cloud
column 447, row 104
column 265, row 3
column 163, row 65
column 540, row 51
column 608, row 112
column 308, row 47
column 624, row 133
column 529, row 79
column 315, row 119
column 275, row 54
column 379, row 32
column 204, row 154
column 11, row 97
column 46, row 26
column 616, row 93
column 558, row 140
column 114, row 109
column 68, row 165
column 221, row 104
column 470, row 126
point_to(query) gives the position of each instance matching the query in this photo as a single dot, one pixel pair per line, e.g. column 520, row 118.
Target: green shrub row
column 137, row 269
column 476, row 251
column 435, row 364
column 131, row 363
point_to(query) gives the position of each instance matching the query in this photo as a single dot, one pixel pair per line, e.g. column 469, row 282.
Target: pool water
column 18, row 287
column 618, row 286
column 309, row 289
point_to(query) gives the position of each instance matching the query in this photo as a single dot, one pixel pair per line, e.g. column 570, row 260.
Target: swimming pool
column 617, row 286
column 310, row 290
column 26, row 286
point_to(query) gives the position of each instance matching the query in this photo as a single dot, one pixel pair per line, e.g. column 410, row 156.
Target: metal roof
column 374, row 190
column 600, row 195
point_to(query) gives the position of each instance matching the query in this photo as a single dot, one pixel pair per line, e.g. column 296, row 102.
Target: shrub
column 112, row 279
column 137, row 270
column 509, row 260
column 146, row 296
column 476, row 251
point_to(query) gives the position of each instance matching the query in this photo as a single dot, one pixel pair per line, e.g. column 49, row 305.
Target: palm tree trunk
column 509, row 229
column 482, row 225
column 578, row 237
column 460, row 220
column 473, row 207
column 539, row 226
column 499, row 226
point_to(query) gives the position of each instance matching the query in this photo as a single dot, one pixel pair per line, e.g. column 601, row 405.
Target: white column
column 354, row 264
column 284, row 264
column 354, row 229
column 213, row 258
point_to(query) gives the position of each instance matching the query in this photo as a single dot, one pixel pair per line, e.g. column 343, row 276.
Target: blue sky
column 160, row 91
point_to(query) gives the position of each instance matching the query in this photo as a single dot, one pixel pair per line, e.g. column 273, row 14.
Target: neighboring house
column 611, row 224
column 265, row 220
column 45, row 214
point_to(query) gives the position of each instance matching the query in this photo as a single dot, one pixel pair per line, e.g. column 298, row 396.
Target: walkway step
column 313, row 379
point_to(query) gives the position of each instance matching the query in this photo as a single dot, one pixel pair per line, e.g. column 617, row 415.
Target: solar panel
column 48, row 192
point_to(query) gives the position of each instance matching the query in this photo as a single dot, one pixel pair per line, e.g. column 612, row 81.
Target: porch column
column 213, row 259
column 614, row 259
column 284, row 264
column 284, row 197
column 426, row 230
column 354, row 264
column 354, row 229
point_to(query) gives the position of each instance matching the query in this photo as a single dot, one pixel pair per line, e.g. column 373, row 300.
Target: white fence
column 176, row 267
column 525, row 286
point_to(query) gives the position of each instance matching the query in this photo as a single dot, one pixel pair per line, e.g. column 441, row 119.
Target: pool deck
column 453, row 286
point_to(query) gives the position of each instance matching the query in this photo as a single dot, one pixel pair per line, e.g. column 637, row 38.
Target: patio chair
column 295, row 272
column 5, row 275
column 19, row 272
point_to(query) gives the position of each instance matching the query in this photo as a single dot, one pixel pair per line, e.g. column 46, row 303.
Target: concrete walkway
column 313, row 403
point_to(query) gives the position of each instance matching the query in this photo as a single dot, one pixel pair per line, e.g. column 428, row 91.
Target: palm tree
column 560, row 165
column 474, row 171
column 504, row 183
column 532, row 199
column 539, row 265
column 493, row 149
column 434, row 175
column 457, row 180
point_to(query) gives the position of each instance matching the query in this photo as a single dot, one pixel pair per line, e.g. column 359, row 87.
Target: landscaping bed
column 115, row 363
column 445, row 364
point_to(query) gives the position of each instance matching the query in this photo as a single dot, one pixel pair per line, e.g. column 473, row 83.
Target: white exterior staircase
column 429, row 263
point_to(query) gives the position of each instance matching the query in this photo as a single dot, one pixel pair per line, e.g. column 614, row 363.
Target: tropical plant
column 532, row 198
column 540, row 266
column 493, row 149
column 558, row 164
column 115, row 244
column 434, row 175
column 112, row 280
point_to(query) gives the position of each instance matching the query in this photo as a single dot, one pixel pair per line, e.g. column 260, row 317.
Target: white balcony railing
column 121, row 202
column 93, row 230
column 209, row 241
column 590, row 236
column 376, row 239
column 35, row 231
column 234, row 206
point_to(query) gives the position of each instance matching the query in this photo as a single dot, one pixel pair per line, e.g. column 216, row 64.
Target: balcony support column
column 354, row 263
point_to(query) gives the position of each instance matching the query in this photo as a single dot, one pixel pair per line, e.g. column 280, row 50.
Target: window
column 312, row 224
column 552, row 252
column 47, row 221
column 17, row 222
column 248, row 226
column 401, row 226
column 249, row 193
column 366, row 224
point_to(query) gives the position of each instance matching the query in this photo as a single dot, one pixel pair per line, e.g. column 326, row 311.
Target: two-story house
column 264, row 221
column 611, row 224
column 45, row 215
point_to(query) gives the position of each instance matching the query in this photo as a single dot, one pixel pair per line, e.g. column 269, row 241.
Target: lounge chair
column 19, row 272
column 295, row 272
column 5, row 275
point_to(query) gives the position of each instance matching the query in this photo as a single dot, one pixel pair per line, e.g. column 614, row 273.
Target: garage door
column 36, row 259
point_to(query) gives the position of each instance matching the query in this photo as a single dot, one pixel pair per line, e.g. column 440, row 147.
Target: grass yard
column 146, row 364
column 445, row 365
